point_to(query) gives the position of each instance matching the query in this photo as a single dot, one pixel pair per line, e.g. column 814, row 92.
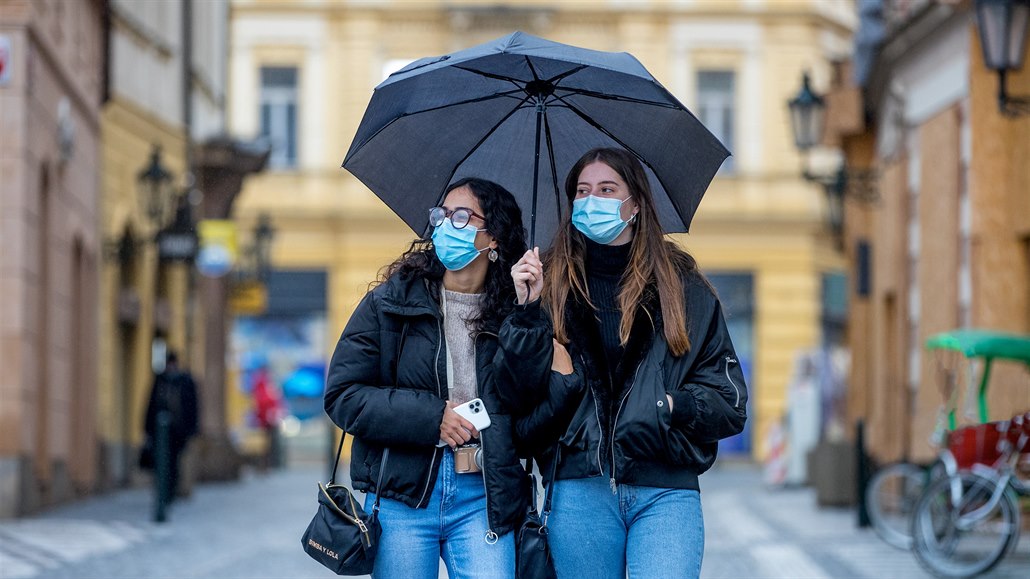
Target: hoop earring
column 492, row 256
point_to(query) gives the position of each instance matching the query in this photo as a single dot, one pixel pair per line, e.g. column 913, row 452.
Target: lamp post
column 155, row 189
column 1002, row 26
column 264, row 233
column 808, row 121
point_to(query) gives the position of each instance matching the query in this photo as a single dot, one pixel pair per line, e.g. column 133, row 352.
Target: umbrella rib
column 590, row 121
column 480, row 143
column 532, row 69
column 558, row 78
column 441, row 107
column 488, row 97
column 619, row 98
column 554, row 170
column 493, row 75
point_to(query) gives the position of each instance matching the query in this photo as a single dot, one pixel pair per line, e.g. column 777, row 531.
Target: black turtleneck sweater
column 605, row 265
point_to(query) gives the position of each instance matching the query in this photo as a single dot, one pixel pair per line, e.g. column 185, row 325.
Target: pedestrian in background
column 419, row 343
column 174, row 392
column 269, row 412
column 645, row 331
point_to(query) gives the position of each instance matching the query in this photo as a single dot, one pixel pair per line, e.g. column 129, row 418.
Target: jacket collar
column 647, row 324
column 410, row 296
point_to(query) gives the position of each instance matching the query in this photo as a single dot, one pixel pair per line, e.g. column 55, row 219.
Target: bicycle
column 964, row 525
column 893, row 491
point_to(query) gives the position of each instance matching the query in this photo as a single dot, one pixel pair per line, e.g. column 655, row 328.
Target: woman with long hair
column 659, row 384
column 421, row 342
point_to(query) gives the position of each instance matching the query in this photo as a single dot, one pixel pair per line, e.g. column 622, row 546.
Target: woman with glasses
column 638, row 323
column 421, row 342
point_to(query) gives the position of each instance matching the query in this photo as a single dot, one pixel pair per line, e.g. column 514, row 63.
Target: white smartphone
column 475, row 412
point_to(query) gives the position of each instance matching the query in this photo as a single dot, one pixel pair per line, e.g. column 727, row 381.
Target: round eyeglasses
column 460, row 217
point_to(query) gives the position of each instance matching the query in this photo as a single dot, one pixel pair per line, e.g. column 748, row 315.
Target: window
column 279, row 114
column 715, row 98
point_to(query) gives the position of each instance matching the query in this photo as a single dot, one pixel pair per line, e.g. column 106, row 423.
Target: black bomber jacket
column 617, row 420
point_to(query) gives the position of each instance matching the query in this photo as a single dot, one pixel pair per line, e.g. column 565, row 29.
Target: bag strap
column 386, row 451
column 549, row 493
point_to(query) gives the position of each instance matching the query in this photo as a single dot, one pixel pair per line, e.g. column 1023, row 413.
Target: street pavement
column 252, row 529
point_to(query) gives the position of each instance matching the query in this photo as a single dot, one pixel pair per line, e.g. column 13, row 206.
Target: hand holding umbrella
column 528, row 275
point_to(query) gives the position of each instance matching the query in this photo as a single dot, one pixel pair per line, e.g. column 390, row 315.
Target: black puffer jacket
column 399, row 404
column 618, row 420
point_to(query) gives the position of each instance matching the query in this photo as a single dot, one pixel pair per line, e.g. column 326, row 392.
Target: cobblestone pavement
column 252, row 529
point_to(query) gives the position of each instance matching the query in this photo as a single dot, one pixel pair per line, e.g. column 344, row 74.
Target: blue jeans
column 645, row 531
column 453, row 526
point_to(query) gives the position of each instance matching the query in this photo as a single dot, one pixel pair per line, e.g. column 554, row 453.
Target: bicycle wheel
column 948, row 545
column 890, row 500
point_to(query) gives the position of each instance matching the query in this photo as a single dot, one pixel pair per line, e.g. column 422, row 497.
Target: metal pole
column 863, row 473
column 162, row 466
column 540, row 109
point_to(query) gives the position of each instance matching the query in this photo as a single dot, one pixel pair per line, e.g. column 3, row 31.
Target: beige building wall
column 762, row 219
column 49, row 204
column 949, row 238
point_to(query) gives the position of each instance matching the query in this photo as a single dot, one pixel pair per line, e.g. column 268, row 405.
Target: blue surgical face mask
column 455, row 247
column 599, row 218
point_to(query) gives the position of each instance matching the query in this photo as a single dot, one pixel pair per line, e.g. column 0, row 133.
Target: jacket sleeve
column 545, row 423
column 358, row 401
column 523, row 359
column 712, row 403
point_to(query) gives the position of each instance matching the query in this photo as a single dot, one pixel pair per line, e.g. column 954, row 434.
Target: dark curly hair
column 504, row 222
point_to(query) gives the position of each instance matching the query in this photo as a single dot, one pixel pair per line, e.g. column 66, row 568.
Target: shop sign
column 218, row 249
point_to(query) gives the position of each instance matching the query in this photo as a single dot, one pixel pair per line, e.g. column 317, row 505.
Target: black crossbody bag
column 532, row 552
column 342, row 536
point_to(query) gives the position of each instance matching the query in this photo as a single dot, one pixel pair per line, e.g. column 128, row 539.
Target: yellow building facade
column 302, row 74
column 142, row 299
column 144, row 302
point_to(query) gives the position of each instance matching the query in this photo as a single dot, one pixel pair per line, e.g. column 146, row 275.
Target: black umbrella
column 520, row 111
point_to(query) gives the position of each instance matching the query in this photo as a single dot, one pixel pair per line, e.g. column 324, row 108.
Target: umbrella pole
column 540, row 108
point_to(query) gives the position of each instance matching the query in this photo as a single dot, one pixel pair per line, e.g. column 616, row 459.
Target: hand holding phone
column 473, row 411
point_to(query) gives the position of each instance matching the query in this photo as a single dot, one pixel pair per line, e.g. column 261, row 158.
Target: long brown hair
column 653, row 258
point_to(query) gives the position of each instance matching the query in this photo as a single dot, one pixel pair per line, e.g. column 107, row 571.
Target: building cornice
column 424, row 11
column 902, row 41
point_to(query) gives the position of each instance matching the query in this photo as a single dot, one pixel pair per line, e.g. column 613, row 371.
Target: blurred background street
column 171, row 182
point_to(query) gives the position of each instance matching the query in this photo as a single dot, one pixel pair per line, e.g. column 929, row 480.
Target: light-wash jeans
column 643, row 531
column 453, row 526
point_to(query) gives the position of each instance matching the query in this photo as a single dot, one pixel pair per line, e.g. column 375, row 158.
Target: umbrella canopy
column 520, row 111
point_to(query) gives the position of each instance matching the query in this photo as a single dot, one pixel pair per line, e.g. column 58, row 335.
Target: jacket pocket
column 643, row 419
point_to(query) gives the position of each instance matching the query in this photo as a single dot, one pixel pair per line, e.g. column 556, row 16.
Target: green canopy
column 983, row 344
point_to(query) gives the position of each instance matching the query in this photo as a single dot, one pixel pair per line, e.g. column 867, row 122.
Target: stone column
column 220, row 166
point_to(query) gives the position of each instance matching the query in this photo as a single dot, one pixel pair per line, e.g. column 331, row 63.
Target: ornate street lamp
column 155, row 188
column 808, row 121
column 264, row 233
column 807, row 116
column 1003, row 25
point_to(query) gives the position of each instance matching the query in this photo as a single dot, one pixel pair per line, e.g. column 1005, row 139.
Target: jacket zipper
column 600, row 429
column 731, row 360
column 615, row 424
column 439, row 391
column 491, row 536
